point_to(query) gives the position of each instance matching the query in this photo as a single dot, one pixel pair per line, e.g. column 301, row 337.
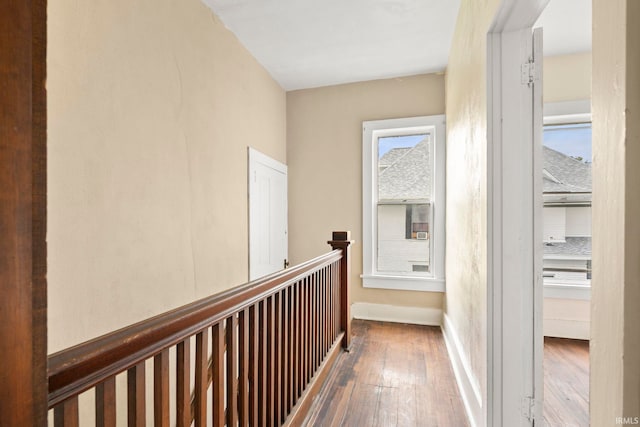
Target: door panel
column 267, row 215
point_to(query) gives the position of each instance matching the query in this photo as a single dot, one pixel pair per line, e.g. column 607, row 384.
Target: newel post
column 341, row 240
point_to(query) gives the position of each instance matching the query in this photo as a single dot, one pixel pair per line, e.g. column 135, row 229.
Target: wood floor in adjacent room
column 395, row 375
column 566, row 382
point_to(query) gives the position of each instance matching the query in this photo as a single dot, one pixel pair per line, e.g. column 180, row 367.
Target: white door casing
column 514, row 214
column 268, row 239
column 538, row 232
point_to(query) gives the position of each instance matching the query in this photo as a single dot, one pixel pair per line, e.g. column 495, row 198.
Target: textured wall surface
column 615, row 344
column 466, row 256
column 152, row 105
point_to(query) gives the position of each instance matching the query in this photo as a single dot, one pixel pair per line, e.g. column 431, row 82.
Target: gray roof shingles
column 403, row 176
column 569, row 175
column 406, row 177
column 576, row 246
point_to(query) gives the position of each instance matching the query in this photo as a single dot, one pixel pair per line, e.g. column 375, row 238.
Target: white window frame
column 371, row 131
column 564, row 113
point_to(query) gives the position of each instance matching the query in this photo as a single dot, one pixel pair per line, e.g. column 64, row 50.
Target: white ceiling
column 307, row 43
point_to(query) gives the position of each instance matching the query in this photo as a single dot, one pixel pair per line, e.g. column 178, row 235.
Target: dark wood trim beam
column 23, row 375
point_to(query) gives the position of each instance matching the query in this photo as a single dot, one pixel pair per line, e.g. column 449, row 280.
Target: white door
column 268, row 244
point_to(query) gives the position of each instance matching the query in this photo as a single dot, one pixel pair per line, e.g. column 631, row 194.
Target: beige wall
column 615, row 345
column 466, row 255
column 324, row 149
column 152, row 105
column 567, row 77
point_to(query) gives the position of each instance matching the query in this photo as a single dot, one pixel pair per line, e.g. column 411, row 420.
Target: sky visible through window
column 388, row 143
column 573, row 140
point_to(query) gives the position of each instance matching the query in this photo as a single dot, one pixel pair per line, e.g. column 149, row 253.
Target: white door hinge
column 529, row 408
column 529, row 73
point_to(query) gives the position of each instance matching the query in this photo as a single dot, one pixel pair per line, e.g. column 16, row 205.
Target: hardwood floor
column 395, row 375
column 566, row 382
column 400, row 375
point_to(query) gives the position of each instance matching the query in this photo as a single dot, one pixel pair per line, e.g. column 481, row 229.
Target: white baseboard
column 468, row 386
column 396, row 314
column 566, row 328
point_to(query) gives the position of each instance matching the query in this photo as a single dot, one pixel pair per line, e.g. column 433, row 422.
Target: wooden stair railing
column 264, row 348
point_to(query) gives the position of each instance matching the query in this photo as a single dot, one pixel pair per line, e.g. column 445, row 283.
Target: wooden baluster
column 341, row 240
column 314, row 323
column 200, row 391
column 332, row 291
column 304, row 344
column 334, row 296
column 336, row 293
column 270, row 360
column 262, row 364
column 295, row 349
column 317, row 318
column 318, row 321
column 66, row 413
column 323, row 311
column 309, row 320
column 161, row 389
column 284, row 377
column 232, row 370
column 136, row 414
column 289, row 350
column 218, row 374
column 320, row 317
column 254, row 378
column 243, row 368
column 329, row 308
column 277, row 359
column 315, row 312
column 183, row 384
column 106, row 403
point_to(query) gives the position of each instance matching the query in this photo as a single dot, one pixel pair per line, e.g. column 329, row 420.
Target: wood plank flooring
column 400, row 375
column 395, row 375
column 566, row 382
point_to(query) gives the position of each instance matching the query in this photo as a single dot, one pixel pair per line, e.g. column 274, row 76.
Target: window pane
column 567, row 203
column 405, row 187
column 572, row 140
column 405, row 168
column 403, row 238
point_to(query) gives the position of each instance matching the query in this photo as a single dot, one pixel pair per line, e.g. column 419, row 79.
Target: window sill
column 404, row 283
column 567, row 291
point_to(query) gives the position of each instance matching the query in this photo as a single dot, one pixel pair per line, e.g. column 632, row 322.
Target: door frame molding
column 512, row 315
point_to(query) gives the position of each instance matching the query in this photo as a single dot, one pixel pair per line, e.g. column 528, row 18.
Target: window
column 567, row 205
column 403, row 203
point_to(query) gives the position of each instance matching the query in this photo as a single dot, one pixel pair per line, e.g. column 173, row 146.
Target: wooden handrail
column 82, row 367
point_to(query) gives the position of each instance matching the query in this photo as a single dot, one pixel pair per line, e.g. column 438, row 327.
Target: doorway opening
column 566, row 213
